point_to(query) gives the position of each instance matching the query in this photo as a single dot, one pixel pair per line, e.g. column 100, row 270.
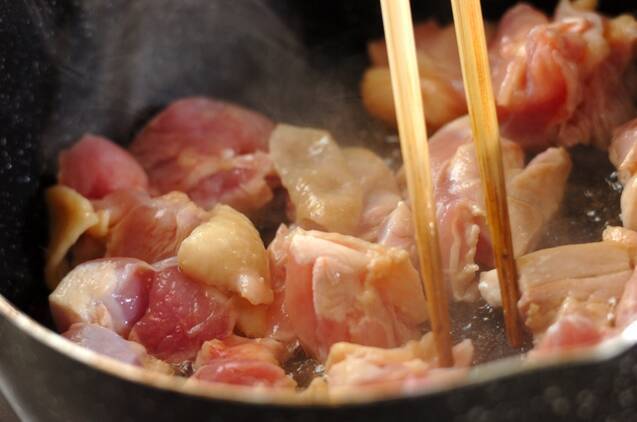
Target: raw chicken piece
column 324, row 192
column 111, row 292
column 95, row 167
column 440, row 77
column 589, row 277
column 572, row 331
column 352, row 368
column 182, row 314
column 227, row 252
column 241, row 361
column 211, row 150
column 340, row 288
column 623, row 154
column 534, row 196
column 623, row 150
column 380, row 189
column 397, row 231
column 463, row 232
column 626, row 311
column 563, row 82
column 150, row 229
column 70, row 215
column 106, row 342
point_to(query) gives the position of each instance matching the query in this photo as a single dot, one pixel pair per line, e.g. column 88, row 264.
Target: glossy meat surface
column 211, row 150
column 110, row 292
column 182, row 314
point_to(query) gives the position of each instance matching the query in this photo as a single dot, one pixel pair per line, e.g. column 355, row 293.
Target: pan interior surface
column 107, row 66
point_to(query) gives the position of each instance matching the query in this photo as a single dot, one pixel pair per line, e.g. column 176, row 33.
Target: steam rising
column 125, row 60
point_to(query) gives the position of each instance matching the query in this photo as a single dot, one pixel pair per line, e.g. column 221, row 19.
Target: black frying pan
column 106, row 66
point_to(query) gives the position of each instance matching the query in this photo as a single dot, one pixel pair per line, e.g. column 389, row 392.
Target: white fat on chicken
column 227, row 252
column 589, row 277
column 352, row 368
column 70, row 215
column 324, row 192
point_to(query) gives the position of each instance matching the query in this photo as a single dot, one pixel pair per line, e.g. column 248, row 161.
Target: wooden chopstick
column 484, row 123
column 401, row 51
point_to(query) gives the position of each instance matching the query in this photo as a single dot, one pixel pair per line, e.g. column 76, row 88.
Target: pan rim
column 482, row 374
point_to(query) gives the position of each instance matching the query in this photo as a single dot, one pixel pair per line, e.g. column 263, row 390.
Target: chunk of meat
column 352, row 368
column 340, row 288
column 380, row 189
column 440, row 77
column 109, row 292
column 534, row 196
column 182, row 314
column 228, row 253
column 562, row 82
column 591, row 275
column 397, row 231
column 623, row 154
column 324, row 192
column 147, row 228
column 95, row 167
column 104, row 341
column 623, row 150
column 241, row 361
column 70, row 215
column 626, row 311
column 463, row 231
column 572, row 331
column 211, row 150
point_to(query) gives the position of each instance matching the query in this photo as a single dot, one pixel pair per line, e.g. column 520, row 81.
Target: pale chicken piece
column 397, row 231
column 227, row 252
column 440, row 77
column 534, row 196
column 340, row 288
column 626, row 311
column 628, row 204
column 624, row 236
column 623, row 155
column 591, row 273
column 110, row 292
column 70, row 215
column 352, row 368
column 623, row 150
column 324, row 192
column 463, row 232
column 380, row 189
column 108, row 343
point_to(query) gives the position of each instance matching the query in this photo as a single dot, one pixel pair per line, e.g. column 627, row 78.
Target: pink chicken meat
column 213, row 151
column 242, row 361
column 340, row 288
column 95, row 166
column 182, row 314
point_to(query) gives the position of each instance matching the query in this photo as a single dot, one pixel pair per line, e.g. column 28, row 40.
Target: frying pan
column 106, row 66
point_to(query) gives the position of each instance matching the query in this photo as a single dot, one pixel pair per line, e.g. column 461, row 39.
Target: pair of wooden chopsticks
column 401, row 50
